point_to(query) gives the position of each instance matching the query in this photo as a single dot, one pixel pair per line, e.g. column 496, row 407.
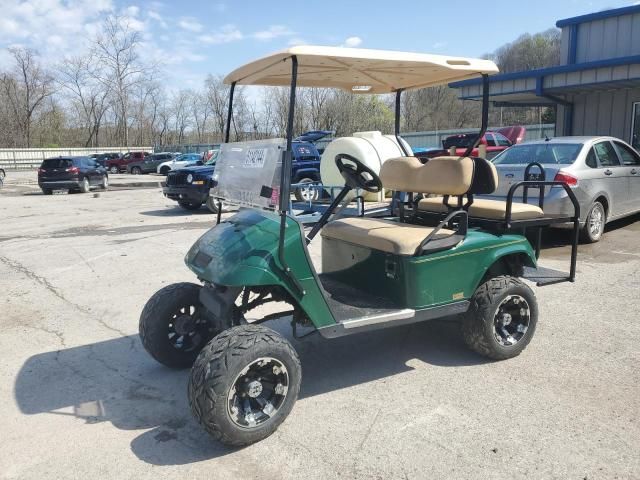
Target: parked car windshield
column 57, row 163
column 544, row 153
column 305, row 152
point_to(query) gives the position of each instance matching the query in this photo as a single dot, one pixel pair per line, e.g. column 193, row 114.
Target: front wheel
column 502, row 318
column 165, row 171
column 594, row 225
column 244, row 384
column 212, row 205
column 306, row 193
column 113, row 169
column 190, row 205
column 173, row 327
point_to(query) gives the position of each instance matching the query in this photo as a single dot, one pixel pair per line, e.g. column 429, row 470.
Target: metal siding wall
column 605, row 113
column 620, row 114
column 608, row 38
column 564, row 45
column 633, row 95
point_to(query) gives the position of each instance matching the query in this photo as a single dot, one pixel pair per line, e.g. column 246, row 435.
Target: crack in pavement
column 20, row 268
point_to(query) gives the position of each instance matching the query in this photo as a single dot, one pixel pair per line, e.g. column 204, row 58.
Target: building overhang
column 549, row 86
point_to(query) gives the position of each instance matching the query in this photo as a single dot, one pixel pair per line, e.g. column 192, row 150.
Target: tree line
column 111, row 96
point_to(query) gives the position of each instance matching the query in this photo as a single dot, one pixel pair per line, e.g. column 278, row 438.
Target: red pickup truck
column 496, row 141
column 117, row 165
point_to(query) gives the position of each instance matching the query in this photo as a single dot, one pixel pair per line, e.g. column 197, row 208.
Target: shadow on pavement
column 177, row 212
column 117, row 381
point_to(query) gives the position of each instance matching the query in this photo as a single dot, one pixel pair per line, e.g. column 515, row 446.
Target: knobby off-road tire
column 172, row 312
column 483, row 325
column 220, row 367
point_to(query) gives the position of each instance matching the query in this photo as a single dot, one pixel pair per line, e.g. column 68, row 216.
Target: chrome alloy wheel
column 596, row 221
column 258, row 392
column 511, row 320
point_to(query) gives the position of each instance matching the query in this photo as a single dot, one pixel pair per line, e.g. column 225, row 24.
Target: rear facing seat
column 485, row 181
column 407, row 174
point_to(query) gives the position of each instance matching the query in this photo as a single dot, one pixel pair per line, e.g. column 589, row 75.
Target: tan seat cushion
column 378, row 234
column 484, row 208
column 440, row 175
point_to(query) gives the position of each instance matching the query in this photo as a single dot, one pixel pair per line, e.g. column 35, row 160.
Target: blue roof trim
column 615, row 12
column 542, row 72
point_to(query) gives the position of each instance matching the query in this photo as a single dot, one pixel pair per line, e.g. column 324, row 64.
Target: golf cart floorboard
column 347, row 302
column 545, row 276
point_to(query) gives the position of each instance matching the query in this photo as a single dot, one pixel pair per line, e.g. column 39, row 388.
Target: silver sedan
column 604, row 173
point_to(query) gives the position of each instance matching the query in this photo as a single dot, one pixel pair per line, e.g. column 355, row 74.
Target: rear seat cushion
column 484, row 208
column 378, row 234
column 440, row 175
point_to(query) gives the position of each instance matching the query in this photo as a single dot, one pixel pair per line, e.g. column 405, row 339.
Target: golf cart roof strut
column 485, row 115
column 229, row 113
column 285, row 178
column 397, row 124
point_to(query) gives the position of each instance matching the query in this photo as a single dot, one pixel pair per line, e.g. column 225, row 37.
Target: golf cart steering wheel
column 357, row 175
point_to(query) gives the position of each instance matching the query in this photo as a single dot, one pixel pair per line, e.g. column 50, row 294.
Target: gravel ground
column 83, row 399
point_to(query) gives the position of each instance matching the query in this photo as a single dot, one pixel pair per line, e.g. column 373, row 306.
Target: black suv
column 71, row 173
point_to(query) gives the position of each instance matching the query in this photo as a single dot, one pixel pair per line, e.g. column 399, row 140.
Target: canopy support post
column 229, row 113
column 285, row 178
column 397, row 124
column 485, row 115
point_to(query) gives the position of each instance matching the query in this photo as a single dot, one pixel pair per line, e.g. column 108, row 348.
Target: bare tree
column 116, row 49
column 26, row 89
column 200, row 111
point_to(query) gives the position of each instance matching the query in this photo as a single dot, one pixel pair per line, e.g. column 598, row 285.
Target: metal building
column 596, row 87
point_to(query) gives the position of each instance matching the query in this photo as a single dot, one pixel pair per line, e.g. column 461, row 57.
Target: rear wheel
column 173, row 327
column 165, row 170
column 594, row 225
column 84, row 185
column 113, row 169
column 502, row 318
column 307, row 193
column 190, row 205
column 244, row 384
column 104, row 184
column 136, row 171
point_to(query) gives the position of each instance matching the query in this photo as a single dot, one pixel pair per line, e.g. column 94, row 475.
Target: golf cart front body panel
column 243, row 252
column 425, row 281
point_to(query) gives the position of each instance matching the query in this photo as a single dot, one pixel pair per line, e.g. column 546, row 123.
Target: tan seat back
column 440, row 175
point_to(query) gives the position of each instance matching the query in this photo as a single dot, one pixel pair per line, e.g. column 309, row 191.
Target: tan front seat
column 485, row 208
column 378, row 234
column 406, row 174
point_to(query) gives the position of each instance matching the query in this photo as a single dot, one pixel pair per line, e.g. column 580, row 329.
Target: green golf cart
column 437, row 257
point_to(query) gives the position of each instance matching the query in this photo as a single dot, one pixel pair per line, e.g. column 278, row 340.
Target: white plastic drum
column 371, row 148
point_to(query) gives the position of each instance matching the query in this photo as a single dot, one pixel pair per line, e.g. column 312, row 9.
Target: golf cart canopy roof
column 359, row 70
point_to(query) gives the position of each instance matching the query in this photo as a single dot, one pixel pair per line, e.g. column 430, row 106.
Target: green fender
column 243, row 251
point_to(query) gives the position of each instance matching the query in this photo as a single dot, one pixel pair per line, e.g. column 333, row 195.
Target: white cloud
column 226, row 34
column 352, row 42
column 439, row 45
column 274, row 31
column 190, row 24
column 157, row 19
column 297, row 41
column 33, row 23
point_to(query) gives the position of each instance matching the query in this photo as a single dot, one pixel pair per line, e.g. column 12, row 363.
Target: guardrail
column 30, row 158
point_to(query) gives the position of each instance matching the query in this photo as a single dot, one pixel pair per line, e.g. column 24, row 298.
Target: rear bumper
column 187, row 193
column 58, row 184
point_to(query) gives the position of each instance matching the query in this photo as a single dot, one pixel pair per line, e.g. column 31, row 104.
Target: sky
column 193, row 38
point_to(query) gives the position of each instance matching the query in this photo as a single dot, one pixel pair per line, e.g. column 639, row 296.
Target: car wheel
column 84, row 185
column 189, row 205
column 502, row 318
column 307, row 194
column 47, row 191
column 164, row 170
column 136, row 171
column 212, row 205
column 113, row 169
column 244, row 384
column 593, row 227
column 105, row 182
column 173, row 327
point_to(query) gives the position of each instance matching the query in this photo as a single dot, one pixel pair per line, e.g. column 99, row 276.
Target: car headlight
column 189, row 178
